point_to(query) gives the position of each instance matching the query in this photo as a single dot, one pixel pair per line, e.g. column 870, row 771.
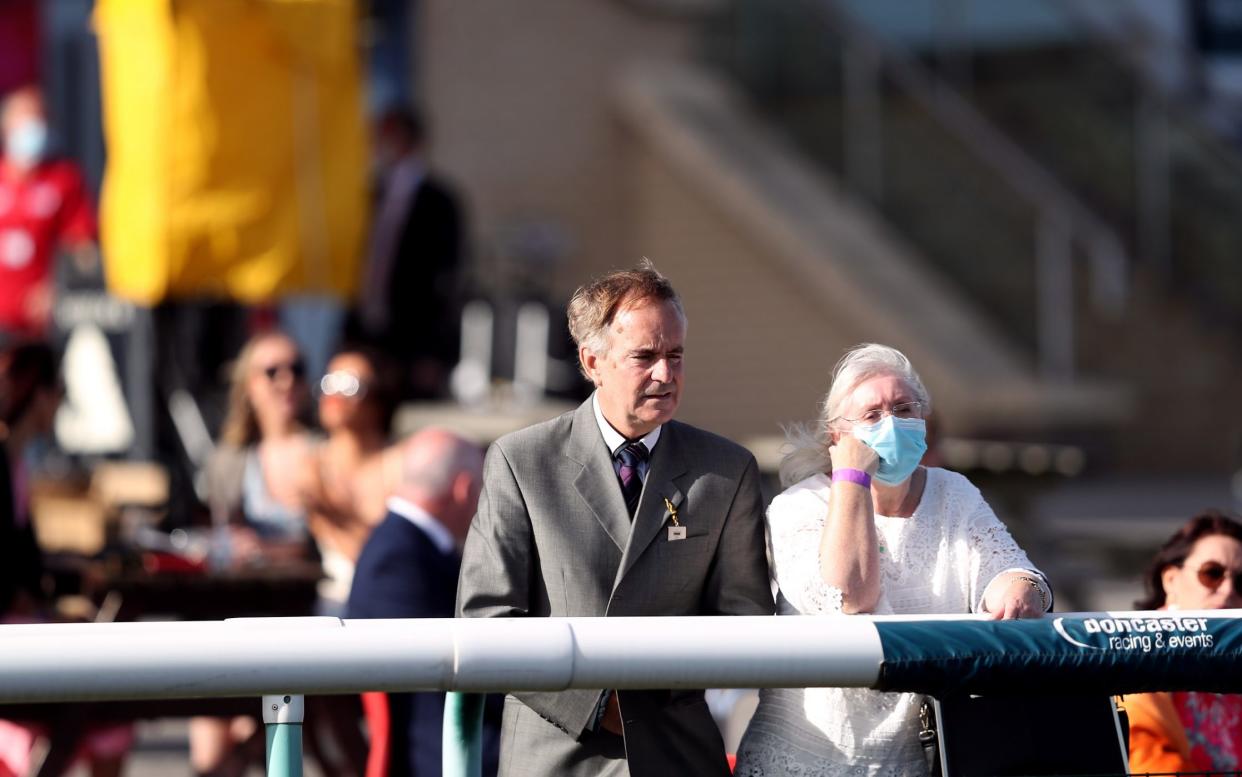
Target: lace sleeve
column 795, row 522
column 993, row 551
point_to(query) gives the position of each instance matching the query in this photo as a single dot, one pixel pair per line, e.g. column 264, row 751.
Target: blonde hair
column 594, row 305
column 240, row 427
column 808, row 445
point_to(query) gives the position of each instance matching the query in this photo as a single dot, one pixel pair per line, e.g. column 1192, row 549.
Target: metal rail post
column 463, row 731
column 282, row 718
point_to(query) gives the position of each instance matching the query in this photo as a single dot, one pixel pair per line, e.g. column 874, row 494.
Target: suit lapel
column 667, row 467
column 597, row 482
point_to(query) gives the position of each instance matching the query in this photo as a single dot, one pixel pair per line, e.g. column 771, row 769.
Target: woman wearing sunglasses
column 256, row 475
column 350, row 474
column 1198, row 568
column 348, row 480
column 255, row 480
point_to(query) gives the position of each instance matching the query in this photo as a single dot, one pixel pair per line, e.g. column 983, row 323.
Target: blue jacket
column 401, row 574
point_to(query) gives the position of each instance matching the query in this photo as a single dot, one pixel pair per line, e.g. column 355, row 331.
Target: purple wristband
column 852, row 476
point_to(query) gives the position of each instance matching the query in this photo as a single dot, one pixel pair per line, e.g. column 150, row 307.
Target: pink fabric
column 18, row 739
column 1213, row 724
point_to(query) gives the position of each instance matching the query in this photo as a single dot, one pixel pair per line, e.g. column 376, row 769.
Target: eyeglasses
column 875, row 415
column 295, row 368
column 1213, row 573
column 342, row 383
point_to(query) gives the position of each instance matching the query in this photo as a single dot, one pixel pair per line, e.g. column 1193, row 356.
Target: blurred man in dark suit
column 409, row 568
column 410, row 291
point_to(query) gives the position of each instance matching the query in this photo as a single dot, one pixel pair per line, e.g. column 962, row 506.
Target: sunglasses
column 1212, row 574
column 295, row 368
column 342, row 383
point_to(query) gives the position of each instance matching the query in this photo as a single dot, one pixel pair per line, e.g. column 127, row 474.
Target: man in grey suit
column 616, row 509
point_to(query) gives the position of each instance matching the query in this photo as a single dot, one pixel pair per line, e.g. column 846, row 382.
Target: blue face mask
column 899, row 442
column 26, row 143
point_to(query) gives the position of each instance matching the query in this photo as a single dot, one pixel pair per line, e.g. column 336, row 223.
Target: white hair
column 807, row 444
column 437, row 459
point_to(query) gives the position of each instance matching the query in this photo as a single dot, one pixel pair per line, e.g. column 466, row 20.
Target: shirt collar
column 440, row 536
column 614, row 439
column 406, row 176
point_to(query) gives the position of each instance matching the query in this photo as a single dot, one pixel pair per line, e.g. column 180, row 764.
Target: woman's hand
column 851, row 453
column 1017, row 598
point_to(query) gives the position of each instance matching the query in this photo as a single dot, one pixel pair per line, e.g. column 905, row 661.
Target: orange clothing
column 1158, row 740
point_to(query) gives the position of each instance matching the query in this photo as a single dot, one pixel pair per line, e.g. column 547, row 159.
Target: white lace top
column 939, row 560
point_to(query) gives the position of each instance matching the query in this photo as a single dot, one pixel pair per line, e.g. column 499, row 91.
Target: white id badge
column 676, row 533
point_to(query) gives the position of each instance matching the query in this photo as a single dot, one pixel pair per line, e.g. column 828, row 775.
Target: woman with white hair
column 862, row 527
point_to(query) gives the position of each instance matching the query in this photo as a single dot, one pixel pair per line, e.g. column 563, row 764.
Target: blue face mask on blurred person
column 26, row 143
column 899, row 442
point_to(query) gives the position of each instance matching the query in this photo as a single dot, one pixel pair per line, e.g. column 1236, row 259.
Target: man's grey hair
column 434, row 474
column 594, row 305
column 808, row 445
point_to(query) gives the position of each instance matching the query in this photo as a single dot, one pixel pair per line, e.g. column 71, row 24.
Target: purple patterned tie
column 629, row 457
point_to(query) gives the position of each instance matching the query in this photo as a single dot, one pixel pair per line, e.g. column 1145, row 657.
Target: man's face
column 639, row 376
column 351, row 407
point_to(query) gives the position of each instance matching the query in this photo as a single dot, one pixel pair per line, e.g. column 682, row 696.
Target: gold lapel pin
column 676, row 531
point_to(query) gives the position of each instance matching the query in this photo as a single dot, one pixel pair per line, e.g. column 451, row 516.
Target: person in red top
column 44, row 208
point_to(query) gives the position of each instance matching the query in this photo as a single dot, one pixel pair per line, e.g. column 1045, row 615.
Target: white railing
column 258, row 656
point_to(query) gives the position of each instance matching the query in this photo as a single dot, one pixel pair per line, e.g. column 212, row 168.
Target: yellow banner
column 236, row 148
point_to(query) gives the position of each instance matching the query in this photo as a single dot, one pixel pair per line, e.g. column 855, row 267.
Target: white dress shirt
column 614, row 439
column 439, row 535
column 394, row 208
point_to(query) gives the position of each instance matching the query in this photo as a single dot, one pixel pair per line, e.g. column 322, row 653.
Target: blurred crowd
column 300, row 466
column 304, row 466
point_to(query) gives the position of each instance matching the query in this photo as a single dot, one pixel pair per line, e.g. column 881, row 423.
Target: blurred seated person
column 344, row 487
column 29, row 395
column 44, row 207
column 256, row 474
column 408, row 569
column 1198, row 568
column 254, row 478
column 30, row 392
column 352, row 472
column 408, row 302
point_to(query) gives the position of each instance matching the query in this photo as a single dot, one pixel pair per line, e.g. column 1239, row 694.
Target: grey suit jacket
column 552, row 537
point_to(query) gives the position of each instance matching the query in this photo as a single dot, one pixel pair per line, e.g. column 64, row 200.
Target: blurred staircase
column 1173, row 190
column 1093, row 220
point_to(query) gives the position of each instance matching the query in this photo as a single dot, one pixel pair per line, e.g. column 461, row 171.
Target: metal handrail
column 955, row 113
column 1171, row 105
column 1174, row 103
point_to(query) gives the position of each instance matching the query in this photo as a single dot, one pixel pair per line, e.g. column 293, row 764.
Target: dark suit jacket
column 552, row 537
column 401, row 574
column 424, row 287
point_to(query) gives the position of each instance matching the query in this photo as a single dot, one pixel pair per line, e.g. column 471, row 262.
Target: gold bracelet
column 1039, row 589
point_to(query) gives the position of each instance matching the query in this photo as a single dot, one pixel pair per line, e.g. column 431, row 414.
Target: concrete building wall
column 760, row 349
column 519, row 95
